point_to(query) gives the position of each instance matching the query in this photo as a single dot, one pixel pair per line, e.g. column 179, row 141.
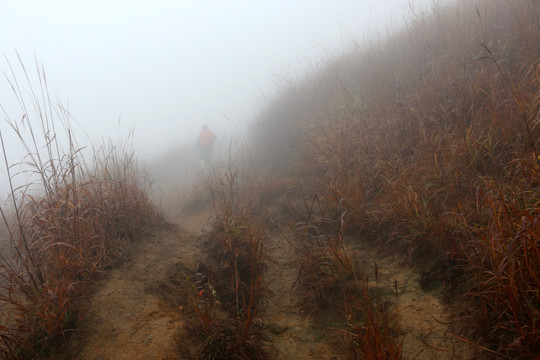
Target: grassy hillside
column 428, row 144
column 425, row 145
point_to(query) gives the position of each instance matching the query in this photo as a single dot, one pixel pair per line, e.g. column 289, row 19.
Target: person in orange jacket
column 205, row 143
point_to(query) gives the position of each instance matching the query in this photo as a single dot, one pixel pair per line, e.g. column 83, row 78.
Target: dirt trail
column 131, row 314
column 422, row 317
column 135, row 311
column 291, row 334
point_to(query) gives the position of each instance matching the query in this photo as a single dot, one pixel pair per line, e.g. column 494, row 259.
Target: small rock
column 277, row 328
column 259, row 324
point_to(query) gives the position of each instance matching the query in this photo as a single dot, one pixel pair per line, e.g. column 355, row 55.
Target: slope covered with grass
column 427, row 144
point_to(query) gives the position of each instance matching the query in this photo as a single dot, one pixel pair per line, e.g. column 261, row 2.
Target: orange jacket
column 206, row 138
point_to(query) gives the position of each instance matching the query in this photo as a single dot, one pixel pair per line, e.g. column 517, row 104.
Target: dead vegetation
column 75, row 219
column 331, row 281
column 231, row 278
column 423, row 145
column 428, row 142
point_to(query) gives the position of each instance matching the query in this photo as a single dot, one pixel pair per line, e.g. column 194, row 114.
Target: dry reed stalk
column 372, row 329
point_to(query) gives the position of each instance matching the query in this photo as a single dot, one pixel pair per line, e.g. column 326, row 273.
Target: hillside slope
column 427, row 144
column 387, row 206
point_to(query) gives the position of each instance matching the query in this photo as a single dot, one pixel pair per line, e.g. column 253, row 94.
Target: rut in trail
column 292, row 334
column 131, row 316
column 422, row 317
column 134, row 312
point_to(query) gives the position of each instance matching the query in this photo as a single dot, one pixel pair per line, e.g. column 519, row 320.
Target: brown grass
column 372, row 329
column 235, row 269
column 429, row 142
column 326, row 273
column 329, row 281
column 75, row 219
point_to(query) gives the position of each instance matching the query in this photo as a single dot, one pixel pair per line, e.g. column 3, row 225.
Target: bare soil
column 135, row 311
column 290, row 334
column 141, row 309
column 422, row 317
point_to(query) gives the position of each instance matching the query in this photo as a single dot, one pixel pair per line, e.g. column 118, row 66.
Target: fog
column 162, row 69
column 166, row 67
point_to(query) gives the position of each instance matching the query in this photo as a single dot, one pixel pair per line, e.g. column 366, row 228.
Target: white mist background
column 164, row 68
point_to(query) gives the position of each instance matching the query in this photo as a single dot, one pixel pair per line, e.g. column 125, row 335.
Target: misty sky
column 167, row 67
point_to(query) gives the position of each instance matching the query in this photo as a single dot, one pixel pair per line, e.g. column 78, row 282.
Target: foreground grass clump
column 372, row 328
column 429, row 141
column 228, row 309
column 326, row 273
column 75, row 218
column 500, row 262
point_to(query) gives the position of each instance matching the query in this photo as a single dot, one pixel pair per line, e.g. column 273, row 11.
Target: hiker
column 205, row 144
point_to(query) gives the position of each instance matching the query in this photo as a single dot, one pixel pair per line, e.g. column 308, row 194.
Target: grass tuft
column 235, row 266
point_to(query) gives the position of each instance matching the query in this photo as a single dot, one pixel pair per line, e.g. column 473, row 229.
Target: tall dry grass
column 235, row 269
column 326, row 273
column 76, row 217
column 430, row 143
column 372, row 328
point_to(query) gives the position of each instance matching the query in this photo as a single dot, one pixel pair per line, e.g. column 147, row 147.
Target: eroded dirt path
column 423, row 319
column 290, row 334
column 133, row 313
